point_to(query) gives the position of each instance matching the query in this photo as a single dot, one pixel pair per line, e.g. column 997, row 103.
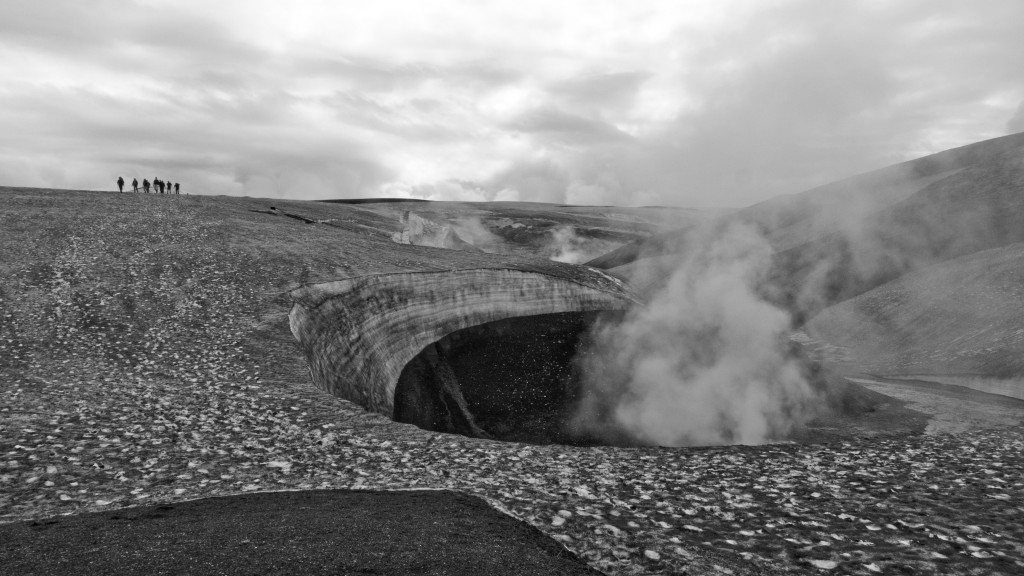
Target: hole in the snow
column 513, row 379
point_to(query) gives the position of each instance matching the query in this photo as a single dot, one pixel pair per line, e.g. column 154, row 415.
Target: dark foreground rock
column 307, row 532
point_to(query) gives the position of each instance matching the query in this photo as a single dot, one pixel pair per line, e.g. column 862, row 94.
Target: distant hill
column 914, row 269
column 962, row 317
column 853, row 236
column 567, row 233
column 836, row 241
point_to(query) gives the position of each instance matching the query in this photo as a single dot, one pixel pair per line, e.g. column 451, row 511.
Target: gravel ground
column 143, row 365
column 941, row 503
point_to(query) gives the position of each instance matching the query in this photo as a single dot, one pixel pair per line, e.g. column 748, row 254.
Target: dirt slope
column 962, row 317
column 842, row 239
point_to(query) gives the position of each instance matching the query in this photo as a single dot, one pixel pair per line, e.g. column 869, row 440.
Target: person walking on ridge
column 120, row 184
column 135, row 185
column 177, row 188
column 145, row 185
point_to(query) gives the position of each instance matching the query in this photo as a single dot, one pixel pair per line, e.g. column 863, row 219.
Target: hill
column 970, row 199
column 566, row 233
column 842, row 239
column 959, row 321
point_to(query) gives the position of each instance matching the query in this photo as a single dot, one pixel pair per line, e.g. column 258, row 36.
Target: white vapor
column 566, row 246
column 704, row 362
column 473, row 230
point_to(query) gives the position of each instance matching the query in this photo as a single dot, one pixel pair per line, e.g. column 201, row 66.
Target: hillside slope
column 973, row 199
column 961, row 317
column 107, row 278
column 842, row 239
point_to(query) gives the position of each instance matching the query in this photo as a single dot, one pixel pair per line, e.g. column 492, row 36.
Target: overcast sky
column 717, row 103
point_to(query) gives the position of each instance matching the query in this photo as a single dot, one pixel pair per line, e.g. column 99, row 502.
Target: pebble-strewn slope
column 145, row 357
column 947, row 504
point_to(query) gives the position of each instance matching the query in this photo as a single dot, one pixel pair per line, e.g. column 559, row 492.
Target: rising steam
column 566, row 246
column 705, row 362
column 473, row 230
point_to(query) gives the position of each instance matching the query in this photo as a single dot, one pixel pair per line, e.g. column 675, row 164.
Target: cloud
column 720, row 104
column 375, row 75
column 559, row 127
column 446, row 190
column 532, row 181
column 255, row 147
column 599, row 93
column 413, row 120
column 309, row 176
column 1016, row 124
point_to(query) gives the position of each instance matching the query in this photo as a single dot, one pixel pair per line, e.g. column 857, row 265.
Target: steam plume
column 705, row 362
column 473, row 230
column 567, row 246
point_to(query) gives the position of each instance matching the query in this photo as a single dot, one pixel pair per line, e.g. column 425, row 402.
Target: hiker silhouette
column 158, row 186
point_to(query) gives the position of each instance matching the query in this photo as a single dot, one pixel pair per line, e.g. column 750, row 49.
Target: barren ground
column 951, row 409
column 145, row 358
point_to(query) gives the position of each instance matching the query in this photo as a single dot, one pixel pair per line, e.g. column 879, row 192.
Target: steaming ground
column 145, row 357
column 840, row 240
column 709, row 345
column 913, row 270
column 562, row 233
column 960, row 319
column 706, row 361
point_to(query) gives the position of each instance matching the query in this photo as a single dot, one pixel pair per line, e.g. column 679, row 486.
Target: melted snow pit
column 512, row 379
column 482, row 352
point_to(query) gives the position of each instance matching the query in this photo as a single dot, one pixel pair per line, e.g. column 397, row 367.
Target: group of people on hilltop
column 159, row 186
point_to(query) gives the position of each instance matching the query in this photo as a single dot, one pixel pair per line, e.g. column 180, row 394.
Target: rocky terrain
column 146, row 356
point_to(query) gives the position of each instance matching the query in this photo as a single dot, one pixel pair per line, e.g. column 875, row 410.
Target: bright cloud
column 655, row 102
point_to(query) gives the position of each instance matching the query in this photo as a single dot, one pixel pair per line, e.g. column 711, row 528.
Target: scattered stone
column 173, row 404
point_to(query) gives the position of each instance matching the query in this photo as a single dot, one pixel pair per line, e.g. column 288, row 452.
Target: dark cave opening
column 513, row 379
